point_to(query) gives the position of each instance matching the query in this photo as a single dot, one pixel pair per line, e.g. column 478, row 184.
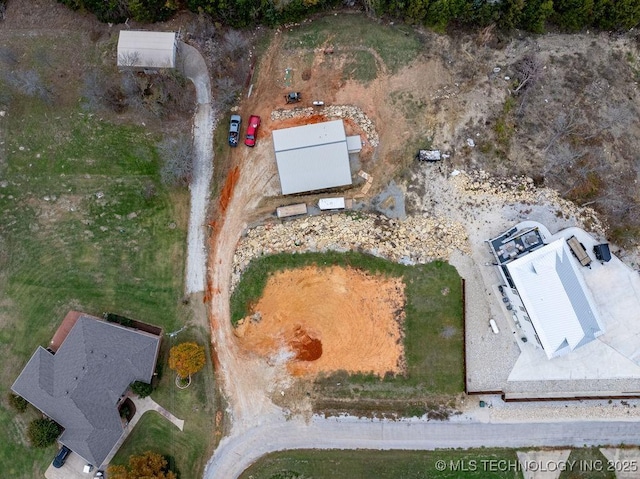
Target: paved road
column 236, row 453
column 194, row 67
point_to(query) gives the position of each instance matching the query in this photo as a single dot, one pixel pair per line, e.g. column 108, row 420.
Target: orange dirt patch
column 227, row 189
column 328, row 319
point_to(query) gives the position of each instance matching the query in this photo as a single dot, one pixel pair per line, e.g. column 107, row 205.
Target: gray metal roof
column 312, row 157
column 80, row 385
column 556, row 298
column 147, row 49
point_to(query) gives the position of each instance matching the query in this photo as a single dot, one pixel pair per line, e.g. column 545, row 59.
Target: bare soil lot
column 325, row 320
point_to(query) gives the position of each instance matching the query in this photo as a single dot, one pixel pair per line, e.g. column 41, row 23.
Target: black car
column 58, row 461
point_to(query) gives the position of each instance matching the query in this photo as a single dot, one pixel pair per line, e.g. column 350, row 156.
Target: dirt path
column 246, row 380
column 194, row 67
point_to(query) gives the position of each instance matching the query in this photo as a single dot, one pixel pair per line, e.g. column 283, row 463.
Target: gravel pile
column 334, row 112
column 415, row 240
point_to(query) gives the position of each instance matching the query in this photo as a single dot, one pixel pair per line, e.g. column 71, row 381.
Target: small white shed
column 140, row 49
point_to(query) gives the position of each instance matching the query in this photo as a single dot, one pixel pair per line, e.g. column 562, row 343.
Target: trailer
column 579, row 251
column 291, row 210
column 331, row 203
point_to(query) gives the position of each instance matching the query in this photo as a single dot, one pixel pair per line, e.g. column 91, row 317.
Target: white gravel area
column 195, row 68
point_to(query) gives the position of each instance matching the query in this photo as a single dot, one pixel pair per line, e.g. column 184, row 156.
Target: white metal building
column 557, row 300
column 140, row 49
column 312, row 157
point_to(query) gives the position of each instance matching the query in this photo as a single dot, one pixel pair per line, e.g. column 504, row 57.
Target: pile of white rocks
column 334, row 112
column 521, row 189
column 414, row 240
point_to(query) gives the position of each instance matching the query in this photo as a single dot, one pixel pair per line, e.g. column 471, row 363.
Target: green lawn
column 589, row 463
column 433, row 325
column 397, row 46
column 360, row 464
column 191, row 448
column 84, row 224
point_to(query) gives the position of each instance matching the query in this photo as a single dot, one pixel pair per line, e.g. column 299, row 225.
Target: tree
column 574, row 15
column 528, row 72
column 177, row 160
column 186, row 359
column 43, row 432
column 148, row 465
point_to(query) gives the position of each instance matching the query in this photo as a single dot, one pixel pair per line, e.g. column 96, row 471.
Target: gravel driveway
column 237, row 453
column 194, row 67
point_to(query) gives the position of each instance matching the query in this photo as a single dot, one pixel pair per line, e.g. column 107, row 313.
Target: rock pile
column 415, row 240
column 521, row 189
column 334, row 112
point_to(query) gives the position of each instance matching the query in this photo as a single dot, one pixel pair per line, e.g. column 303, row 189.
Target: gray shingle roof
column 80, row 385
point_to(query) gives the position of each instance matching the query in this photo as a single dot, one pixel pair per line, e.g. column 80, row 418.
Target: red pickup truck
column 252, row 130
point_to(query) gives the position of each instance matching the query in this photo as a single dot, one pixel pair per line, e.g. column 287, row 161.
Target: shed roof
column 80, row 385
column 312, row 157
column 147, row 49
column 556, row 298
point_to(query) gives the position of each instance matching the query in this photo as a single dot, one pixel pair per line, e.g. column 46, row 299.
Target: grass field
column 84, row 224
column 396, row 46
column 339, row 464
column 433, row 326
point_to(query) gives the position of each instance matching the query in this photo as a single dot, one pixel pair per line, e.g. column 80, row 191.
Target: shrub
column 141, row 389
column 18, row 402
column 43, row 432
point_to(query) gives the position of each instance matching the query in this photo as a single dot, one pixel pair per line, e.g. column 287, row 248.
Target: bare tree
column 28, row 82
column 94, row 90
column 235, row 43
column 611, row 116
column 564, row 124
column 561, row 158
column 8, row 56
column 226, row 91
column 129, row 59
column 177, row 157
column 528, row 72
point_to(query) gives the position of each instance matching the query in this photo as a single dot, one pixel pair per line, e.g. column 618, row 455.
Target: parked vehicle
column 252, row 130
column 428, row 155
column 293, row 97
column 234, row 130
column 61, row 457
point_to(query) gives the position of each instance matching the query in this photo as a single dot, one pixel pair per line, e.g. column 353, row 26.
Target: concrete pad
column 543, row 464
column 595, row 360
column 616, row 291
column 72, row 469
column 625, row 462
